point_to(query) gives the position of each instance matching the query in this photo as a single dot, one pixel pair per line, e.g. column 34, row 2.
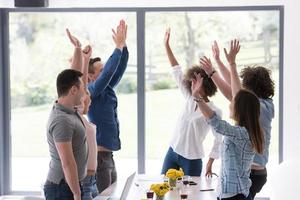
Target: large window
column 39, row 50
column 192, row 34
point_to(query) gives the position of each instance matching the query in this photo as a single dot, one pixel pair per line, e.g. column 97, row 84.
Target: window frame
column 5, row 111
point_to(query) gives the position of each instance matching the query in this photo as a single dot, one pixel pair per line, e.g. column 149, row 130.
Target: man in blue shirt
column 103, row 108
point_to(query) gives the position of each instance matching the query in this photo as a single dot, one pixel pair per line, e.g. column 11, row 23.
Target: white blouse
column 192, row 127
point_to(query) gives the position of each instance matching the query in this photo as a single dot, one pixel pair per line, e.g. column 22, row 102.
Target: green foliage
column 30, row 95
column 126, row 86
column 161, row 84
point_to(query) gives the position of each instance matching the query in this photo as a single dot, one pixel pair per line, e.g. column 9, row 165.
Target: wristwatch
column 200, row 99
column 212, row 73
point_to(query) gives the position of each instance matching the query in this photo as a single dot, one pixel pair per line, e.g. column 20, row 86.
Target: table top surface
column 142, row 183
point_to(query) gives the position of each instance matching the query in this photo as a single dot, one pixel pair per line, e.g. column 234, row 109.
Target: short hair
column 91, row 68
column 209, row 86
column 258, row 80
column 66, row 80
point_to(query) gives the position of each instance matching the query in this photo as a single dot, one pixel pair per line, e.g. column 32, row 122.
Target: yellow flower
column 160, row 189
column 174, row 174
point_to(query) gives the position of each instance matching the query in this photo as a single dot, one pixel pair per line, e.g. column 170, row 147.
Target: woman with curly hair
column 186, row 148
column 258, row 80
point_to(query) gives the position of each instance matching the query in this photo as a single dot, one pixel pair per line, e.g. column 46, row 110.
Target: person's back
column 236, row 163
column 258, row 80
column 266, row 117
column 103, row 108
column 103, row 113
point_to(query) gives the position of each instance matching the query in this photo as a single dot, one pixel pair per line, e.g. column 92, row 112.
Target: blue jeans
column 176, row 161
column 89, row 188
column 59, row 191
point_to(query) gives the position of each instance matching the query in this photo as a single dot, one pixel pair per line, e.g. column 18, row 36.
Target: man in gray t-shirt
column 67, row 140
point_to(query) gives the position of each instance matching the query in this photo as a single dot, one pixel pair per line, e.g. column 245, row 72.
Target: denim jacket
column 103, row 108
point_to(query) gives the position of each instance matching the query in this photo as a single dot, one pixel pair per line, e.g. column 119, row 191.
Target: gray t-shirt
column 65, row 125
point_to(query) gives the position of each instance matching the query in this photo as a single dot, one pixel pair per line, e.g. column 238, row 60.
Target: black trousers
column 238, row 197
column 258, row 178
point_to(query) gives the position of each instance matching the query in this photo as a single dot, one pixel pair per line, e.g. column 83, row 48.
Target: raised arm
column 97, row 87
column 214, row 75
column 236, row 134
column 121, row 68
column 196, row 86
column 86, row 55
column 123, row 62
column 235, row 81
column 223, row 69
column 169, row 51
column 76, row 62
column 177, row 71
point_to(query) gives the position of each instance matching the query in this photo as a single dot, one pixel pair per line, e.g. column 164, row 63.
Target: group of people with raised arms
column 244, row 148
column 81, row 150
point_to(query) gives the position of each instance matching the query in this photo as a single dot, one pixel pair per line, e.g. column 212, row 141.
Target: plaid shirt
column 237, row 157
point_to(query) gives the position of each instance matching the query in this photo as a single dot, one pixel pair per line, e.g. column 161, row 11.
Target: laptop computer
column 125, row 191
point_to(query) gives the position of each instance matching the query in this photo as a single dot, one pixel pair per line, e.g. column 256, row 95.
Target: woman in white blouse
column 186, row 148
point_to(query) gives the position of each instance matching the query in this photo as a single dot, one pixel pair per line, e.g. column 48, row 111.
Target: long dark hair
column 246, row 114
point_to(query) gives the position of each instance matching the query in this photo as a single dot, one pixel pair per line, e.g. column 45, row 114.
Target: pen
column 205, row 190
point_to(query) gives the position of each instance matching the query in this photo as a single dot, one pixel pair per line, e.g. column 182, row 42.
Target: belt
column 259, row 172
column 62, row 182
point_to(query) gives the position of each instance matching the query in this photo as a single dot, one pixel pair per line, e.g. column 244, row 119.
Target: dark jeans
column 106, row 170
column 89, row 188
column 176, row 161
column 258, row 178
column 59, row 191
column 237, row 197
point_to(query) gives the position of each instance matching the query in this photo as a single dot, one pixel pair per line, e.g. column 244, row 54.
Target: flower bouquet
column 173, row 174
column 160, row 189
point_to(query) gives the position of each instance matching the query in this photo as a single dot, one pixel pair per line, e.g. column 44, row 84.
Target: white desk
column 142, row 182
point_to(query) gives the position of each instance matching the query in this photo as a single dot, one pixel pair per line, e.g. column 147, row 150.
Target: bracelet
column 212, row 73
column 200, row 99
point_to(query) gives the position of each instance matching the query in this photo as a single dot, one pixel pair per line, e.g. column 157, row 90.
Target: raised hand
column 216, row 51
column 119, row 36
column 196, row 85
column 206, row 65
column 167, row 37
column 234, row 49
column 87, row 52
column 73, row 39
